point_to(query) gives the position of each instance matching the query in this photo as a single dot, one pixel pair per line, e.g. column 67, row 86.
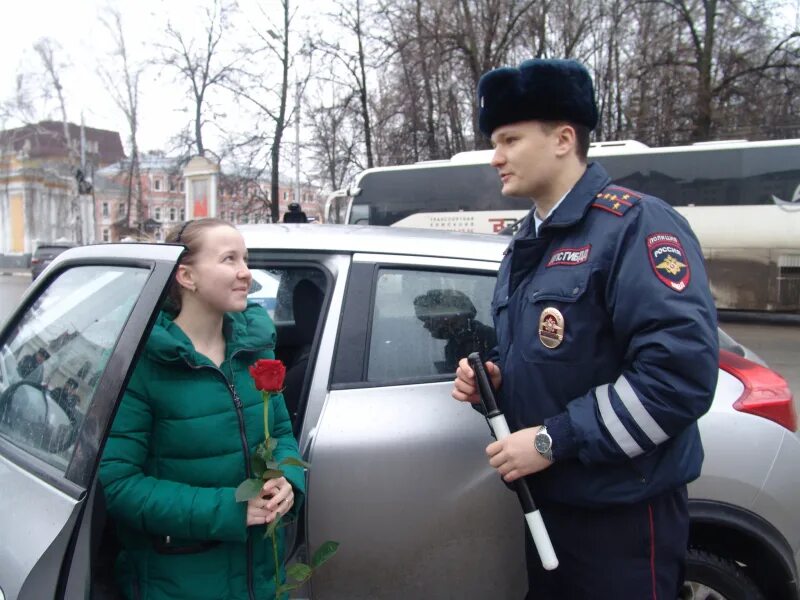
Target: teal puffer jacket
column 179, row 446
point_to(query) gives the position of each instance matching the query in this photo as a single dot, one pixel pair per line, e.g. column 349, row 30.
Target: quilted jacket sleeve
column 157, row 506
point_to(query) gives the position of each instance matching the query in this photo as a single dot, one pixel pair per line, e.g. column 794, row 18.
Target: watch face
column 542, row 442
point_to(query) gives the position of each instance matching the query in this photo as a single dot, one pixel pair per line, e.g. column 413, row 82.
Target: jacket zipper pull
column 236, row 400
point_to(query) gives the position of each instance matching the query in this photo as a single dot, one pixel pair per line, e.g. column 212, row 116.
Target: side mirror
column 30, row 416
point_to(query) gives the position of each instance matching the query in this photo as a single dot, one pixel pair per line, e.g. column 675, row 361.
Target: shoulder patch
column 669, row 260
column 616, row 200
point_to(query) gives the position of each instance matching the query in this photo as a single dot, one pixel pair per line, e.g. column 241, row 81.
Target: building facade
column 45, row 184
column 120, row 216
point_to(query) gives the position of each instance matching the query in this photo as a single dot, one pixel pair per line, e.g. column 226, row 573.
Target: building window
column 172, row 213
column 105, row 209
column 182, row 186
column 285, row 195
column 245, row 219
column 183, row 214
column 121, row 209
column 106, row 237
column 157, row 184
column 157, row 213
column 171, row 185
column 232, row 217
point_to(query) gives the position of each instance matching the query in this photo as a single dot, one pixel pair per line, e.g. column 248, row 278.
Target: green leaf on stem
column 248, row 489
column 272, row 443
column 263, row 453
column 291, row 461
column 323, row 553
column 272, row 527
column 272, row 474
column 286, row 587
column 299, row 572
column 273, row 465
column 258, row 465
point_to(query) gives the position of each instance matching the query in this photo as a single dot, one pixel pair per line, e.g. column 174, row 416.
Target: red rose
column 268, row 375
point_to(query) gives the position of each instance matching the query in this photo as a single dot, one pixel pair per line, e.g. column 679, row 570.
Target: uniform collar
column 580, row 197
column 572, row 207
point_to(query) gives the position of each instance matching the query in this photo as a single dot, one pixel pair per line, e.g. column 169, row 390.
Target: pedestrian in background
column 183, row 438
column 295, row 214
column 607, row 347
column 31, row 366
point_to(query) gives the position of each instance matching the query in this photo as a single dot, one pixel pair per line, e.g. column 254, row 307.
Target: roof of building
column 147, row 163
column 46, row 139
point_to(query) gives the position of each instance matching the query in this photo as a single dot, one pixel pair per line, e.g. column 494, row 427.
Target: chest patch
column 668, row 260
column 569, row 256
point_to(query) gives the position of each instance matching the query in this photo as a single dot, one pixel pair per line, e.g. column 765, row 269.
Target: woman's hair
column 191, row 235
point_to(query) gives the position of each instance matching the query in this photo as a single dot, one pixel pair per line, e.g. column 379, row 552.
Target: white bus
column 741, row 198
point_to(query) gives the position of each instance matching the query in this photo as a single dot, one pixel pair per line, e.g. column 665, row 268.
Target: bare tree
column 333, row 144
column 269, row 99
column 727, row 43
column 46, row 50
column 121, row 80
column 352, row 58
column 202, row 65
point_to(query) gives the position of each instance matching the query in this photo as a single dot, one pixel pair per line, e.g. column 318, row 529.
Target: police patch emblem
column 551, row 327
column 668, row 260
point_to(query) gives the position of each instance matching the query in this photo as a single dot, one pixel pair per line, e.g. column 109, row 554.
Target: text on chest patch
column 569, row 256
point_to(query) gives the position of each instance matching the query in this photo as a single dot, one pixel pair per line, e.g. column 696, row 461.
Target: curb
column 758, row 318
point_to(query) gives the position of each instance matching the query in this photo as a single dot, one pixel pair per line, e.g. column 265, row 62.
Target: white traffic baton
column 499, row 426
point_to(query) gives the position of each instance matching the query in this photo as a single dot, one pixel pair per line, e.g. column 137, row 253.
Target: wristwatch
column 544, row 443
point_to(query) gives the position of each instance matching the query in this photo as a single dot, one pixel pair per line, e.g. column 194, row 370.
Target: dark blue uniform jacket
column 606, row 333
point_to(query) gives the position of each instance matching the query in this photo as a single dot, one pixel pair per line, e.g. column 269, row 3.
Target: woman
column 182, row 438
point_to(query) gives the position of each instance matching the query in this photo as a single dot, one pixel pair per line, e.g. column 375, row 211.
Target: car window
column 273, row 288
column 425, row 321
column 53, row 359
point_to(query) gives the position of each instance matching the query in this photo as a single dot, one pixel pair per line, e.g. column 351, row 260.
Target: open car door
column 65, row 358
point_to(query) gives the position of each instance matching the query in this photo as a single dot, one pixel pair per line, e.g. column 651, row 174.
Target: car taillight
column 765, row 394
column 35, row 261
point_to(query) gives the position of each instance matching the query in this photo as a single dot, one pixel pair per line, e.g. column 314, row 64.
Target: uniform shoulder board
column 616, row 200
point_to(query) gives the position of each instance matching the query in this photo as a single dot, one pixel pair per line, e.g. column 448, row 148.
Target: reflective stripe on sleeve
column 614, row 425
column 638, row 412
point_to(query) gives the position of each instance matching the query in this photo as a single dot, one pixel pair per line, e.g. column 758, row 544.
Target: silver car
column 398, row 477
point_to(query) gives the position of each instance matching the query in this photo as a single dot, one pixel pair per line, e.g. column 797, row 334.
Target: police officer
column 606, row 347
column 295, row 214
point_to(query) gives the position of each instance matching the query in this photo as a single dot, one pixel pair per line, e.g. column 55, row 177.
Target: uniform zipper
column 237, row 403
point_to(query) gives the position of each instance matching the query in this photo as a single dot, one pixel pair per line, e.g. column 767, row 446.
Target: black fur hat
column 541, row 89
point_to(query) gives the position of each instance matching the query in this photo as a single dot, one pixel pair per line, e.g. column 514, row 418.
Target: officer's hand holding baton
column 499, row 426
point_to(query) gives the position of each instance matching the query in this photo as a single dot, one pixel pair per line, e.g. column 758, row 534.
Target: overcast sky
column 76, row 27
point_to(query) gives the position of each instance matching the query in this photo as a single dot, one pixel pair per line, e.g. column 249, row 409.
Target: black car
column 44, row 255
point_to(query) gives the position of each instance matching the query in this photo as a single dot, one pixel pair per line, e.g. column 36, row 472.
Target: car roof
column 56, row 245
column 52, row 248
column 374, row 239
